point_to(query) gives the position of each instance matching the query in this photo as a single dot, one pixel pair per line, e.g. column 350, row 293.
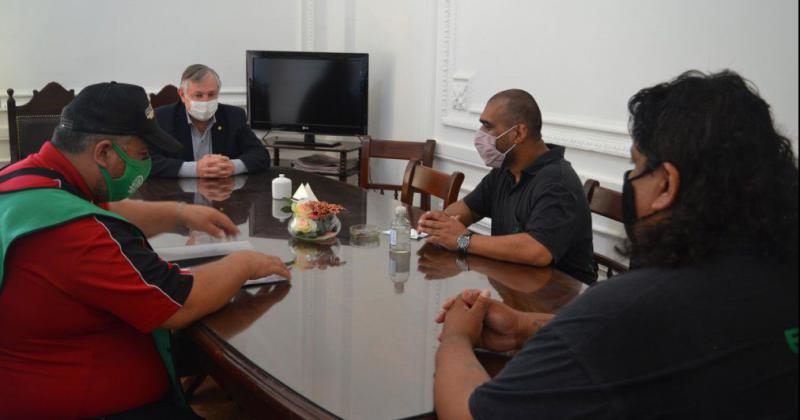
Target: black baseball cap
column 117, row 109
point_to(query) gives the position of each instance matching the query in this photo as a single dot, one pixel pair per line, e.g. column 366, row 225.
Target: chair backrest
column 168, row 95
column 607, row 203
column 603, row 201
column 394, row 149
column 422, row 179
column 32, row 124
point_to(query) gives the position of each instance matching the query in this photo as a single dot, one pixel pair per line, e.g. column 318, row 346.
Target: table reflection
column 246, row 307
column 316, row 255
column 523, row 287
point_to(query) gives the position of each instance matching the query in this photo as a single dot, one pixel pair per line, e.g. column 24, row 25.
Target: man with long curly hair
column 705, row 323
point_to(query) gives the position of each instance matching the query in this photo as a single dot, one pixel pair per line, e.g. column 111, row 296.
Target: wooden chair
column 422, row 179
column 32, row 124
column 394, row 149
column 168, row 95
column 607, row 203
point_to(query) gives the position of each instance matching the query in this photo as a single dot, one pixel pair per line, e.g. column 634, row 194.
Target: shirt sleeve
column 188, row 170
column 114, row 269
column 480, row 199
column 554, row 219
column 238, row 167
column 544, row 380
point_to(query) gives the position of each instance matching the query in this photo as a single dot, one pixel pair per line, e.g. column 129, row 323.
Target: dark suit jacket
column 230, row 136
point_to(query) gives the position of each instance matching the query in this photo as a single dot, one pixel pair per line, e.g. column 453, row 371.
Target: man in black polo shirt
column 540, row 215
column 705, row 327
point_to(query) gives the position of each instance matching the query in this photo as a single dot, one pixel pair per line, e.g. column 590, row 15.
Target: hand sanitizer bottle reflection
column 399, row 263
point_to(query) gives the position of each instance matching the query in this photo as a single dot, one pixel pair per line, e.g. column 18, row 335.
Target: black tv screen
column 308, row 92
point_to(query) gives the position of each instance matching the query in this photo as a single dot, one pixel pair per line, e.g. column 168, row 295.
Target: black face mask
column 629, row 217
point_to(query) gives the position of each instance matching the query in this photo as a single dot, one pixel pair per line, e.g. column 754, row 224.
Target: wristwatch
column 463, row 242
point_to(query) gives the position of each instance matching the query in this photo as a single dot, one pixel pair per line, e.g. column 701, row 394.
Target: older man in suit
column 217, row 143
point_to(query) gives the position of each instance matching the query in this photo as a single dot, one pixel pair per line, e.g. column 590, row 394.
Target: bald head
column 518, row 107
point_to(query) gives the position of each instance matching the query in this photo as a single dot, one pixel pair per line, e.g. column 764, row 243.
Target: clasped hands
column 215, row 166
column 483, row 322
column 442, row 228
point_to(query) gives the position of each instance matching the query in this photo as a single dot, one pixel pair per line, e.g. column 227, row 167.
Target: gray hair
column 76, row 142
column 196, row 73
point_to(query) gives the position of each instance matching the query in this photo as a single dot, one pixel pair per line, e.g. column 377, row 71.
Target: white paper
column 304, row 193
column 301, row 193
column 413, row 234
column 274, row 278
column 310, row 192
column 188, row 252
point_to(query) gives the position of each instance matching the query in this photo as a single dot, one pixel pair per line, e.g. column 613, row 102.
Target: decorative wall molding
column 473, row 165
column 307, row 24
column 457, row 110
column 446, row 29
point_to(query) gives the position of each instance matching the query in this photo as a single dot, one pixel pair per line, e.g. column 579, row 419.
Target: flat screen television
column 308, row 92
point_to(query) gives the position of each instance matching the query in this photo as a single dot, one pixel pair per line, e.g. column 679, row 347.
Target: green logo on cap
column 791, row 338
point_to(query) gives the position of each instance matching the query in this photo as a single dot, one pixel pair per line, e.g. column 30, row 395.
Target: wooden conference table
column 353, row 334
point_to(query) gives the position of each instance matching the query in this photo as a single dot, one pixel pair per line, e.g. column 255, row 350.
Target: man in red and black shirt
column 82, row 290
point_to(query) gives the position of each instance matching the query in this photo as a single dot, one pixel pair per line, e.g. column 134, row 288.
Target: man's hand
column 216, row 282
column 504, row 328
column 263, row 265
column 206, row 219
column 219, row 189
column 214, row 166
column 464, row 322
column 443, row 229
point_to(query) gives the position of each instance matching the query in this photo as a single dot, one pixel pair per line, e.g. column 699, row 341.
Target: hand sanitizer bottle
column 281, row 187
column 400, row 231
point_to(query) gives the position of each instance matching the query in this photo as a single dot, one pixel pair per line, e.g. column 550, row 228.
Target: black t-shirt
column 548, row 203
column 714, row 341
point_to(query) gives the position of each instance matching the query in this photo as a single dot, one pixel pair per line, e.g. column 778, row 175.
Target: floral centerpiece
column 314, row 220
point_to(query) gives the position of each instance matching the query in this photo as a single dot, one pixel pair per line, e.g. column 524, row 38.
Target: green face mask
column 136, row 172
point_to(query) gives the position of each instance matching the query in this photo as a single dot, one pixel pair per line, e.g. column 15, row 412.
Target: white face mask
column 203, row 111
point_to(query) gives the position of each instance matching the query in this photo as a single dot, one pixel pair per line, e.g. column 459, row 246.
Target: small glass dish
column 365, row 236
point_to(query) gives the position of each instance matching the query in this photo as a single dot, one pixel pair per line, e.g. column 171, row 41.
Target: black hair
column 738, row 174
column 520, row 107
column 75, row 142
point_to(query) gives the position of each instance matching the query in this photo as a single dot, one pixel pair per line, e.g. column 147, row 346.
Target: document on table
column 192, row 252
column 204, row 252
column 413, row 234
column 274, row 278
